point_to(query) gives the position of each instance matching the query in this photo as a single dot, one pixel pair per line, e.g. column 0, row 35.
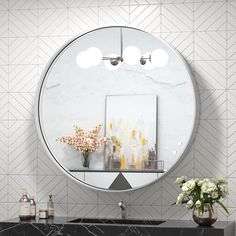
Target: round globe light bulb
column 108, row 64
column 82, row 60
column 159, row 57
column 148, row 65
column 131, row 55
column 95, row 56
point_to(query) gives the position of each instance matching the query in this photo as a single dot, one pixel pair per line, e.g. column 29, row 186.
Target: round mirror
column 117, row 108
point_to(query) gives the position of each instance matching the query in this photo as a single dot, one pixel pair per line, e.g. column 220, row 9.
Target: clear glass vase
column 205, row 216
column 85, row 159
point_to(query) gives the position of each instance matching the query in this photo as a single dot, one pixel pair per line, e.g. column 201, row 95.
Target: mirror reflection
column 112, row 108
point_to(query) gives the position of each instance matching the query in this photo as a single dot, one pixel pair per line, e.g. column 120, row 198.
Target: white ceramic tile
column 52, row 22
column 22, row 4
column 46, row 165
column 4, row 23
column 210, row 149
column 52, row 4
column 170, row 191
column 23, row 78
column 209, row 16
column 59, row 209
column 177, row 17
column 19, row 182
column 182, row 42
column 3, row 147
column 231, row 15
column 4, row 5
column 23, row 50
column 176, row 213
column 231, row 104
column 82, row 20
column 3, row 51
column 48, row 46
column 3, row 78
column 112, row 198
column 112, row 2
column 3, row 189
column 231, row 145
column 145, row 212
column 231, row 45
column 55, row 185
column 4, row 106
column 185, row 166
column 150, row 195
column 210, row 45
column 22, row 148
column 23, row 23
column 210, row 74
column 82, row 210
column 213, row 104
column 113, row 15
column 82, row 3
column 3, row 211
column 21, row 106
column 146, row 17
column 231, row 74
column 79, row 194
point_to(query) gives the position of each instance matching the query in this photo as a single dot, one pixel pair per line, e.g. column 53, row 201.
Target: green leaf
column 223, row 206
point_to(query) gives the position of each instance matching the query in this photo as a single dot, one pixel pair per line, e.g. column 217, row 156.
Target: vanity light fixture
column 131, row 55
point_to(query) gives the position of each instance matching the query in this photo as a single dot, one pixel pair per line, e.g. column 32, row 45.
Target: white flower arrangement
column 198, row 192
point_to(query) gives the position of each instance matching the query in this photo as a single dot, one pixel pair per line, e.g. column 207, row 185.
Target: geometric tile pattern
column 203, row 31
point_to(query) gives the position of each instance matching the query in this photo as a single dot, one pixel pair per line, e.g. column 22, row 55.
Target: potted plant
column 201, row 195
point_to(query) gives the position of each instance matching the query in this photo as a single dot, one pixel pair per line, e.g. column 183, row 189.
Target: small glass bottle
column 24, row 206
column 32, row 207
column 50, row 207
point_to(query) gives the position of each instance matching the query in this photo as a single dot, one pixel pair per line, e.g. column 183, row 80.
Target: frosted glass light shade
column 108, row 64
column 82, row 60
column 95, row 56
column 159, row 57
column 131, row 55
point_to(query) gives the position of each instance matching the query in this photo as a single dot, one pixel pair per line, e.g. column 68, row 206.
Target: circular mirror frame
column 40, row 131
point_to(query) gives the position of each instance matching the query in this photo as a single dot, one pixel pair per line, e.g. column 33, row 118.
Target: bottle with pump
column 50, row 207
column 32, row 207
column 24, row 206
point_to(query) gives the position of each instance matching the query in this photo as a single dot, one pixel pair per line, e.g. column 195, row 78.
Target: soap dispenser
column 24, row 206
column 50, row 207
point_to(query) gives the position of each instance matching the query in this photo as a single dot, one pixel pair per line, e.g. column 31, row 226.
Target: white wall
column 30, row 31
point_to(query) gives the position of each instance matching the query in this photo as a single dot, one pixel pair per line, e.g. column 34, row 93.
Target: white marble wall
column 204, row 31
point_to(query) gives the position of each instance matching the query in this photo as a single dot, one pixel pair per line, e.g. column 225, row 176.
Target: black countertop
column 59, row 226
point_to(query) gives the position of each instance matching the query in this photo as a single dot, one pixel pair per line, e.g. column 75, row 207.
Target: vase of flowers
column 86, row 142
column 202, row 195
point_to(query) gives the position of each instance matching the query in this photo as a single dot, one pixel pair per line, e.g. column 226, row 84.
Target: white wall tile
column 37, row 28
column 210, row 16
column 23, row 50
column 3, row 51
column 82, row 20
column 23, row 23
column 22, row 148
column 146, row 17
column 177, row 17
column 4, row 147
column 3, row 78
column 55, row 185
column 53, row 22
column 4, row 23
column 210, row 45
column 210, row 74
column 231, row 15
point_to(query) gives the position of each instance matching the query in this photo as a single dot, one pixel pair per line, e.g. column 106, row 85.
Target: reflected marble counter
column 59, row 226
